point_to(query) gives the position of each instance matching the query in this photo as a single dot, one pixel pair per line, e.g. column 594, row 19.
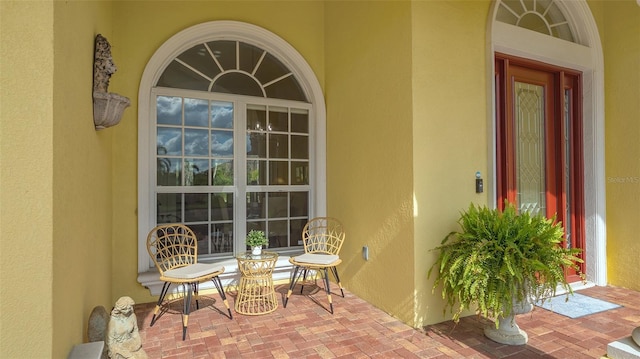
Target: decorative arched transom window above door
column 543, row 16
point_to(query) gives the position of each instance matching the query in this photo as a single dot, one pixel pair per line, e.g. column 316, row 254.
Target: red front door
column 539, row 137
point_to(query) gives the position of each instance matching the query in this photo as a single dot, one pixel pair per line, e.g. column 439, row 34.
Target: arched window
column 231, row 136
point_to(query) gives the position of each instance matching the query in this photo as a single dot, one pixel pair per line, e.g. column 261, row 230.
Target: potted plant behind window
column 501, row 263
column 255, row 240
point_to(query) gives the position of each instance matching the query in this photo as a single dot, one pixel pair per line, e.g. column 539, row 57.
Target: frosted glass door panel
column 530, row 147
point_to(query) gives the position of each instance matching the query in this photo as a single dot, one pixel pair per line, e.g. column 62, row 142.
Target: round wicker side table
column 256, row 294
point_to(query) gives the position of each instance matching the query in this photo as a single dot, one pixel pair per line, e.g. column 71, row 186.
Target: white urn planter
column 508, row 332
column 108, row 108
column 256, row 251
column 500, row 263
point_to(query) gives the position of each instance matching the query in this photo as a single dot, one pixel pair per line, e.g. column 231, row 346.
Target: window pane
column 278, row 234
column 249, row 57
column 299, row 206
column 256, row 205
column 299, row 173
column 535, row 23
column 196, row 112
column 199, row 58
column 278, row 119
column 530, row 148
column 196, row 172
column 196, row 207
column 169, row 110
column 237, row 83
column 169, row 207
column 169, row 141
column 295, row 232
column 568, row 168
column 278, row 173
column 257, row 226
column 256, row 173
column 286, row 88
column 196, row 142
column 222, row 173
column 222, row 237
column 278, row 146
column 299, row 121
column 222, row 207
column 201, row 230
column 299, row 147
column 563, row 31
column 222, row 115
column 222, row 143
column 270, row 69
column 256, row 118
column 225, row 53
column 278, row 204
column 257, row 145
column 176, row 75
column 169, row 172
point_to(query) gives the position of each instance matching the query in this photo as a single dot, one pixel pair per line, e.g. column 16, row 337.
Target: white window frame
column 180, row 42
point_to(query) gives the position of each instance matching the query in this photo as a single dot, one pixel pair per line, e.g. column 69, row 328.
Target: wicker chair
column 322, row 238
column 174, row 250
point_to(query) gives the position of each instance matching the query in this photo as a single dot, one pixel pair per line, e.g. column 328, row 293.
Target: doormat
column 577, row 306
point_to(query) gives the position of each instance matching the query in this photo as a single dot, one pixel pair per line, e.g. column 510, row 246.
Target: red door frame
column 558, row 83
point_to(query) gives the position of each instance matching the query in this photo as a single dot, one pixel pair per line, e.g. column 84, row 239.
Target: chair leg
column 195, row 294
column 163, row 292
column 334, row 270
column 187, row 309
column 293, row 280
column 304, row 279
column 328, row 289
column 218, row 283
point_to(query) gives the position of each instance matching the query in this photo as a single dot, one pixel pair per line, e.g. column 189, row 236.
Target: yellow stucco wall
column 55, row 178
column 369, row 153
column 621, row 46
column 26, row 179
column 82, row 170
column 406, row 131
column 450, row 129
column 138, row 30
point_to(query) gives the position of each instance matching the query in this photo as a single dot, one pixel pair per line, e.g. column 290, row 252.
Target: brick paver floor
column 305, row 329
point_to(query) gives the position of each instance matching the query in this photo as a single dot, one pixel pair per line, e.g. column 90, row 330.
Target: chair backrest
column 323, row 235
column 172, row 246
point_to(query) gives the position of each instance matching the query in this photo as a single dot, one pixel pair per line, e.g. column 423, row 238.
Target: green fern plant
column 498, row 257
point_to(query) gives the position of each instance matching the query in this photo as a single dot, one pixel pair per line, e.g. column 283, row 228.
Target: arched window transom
column 543, row 16
column 232, row 67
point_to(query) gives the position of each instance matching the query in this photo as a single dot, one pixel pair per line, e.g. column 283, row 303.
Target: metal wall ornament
column 107, row 107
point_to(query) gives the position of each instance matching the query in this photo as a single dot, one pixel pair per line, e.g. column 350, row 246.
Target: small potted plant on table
column 501, row 263
column 255, row 240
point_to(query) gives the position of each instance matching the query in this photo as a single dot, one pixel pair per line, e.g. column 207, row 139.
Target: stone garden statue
column 123, row 339
column 108, row 107
column 103, row 66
